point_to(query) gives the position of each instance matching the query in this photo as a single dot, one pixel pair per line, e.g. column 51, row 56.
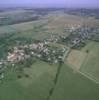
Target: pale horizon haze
column 52, row 3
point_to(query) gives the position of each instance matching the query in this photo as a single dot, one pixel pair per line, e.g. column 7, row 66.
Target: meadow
column 85, row 61
column 74, row 86
column 36, row 86
column 91, row 65
column 22, row 27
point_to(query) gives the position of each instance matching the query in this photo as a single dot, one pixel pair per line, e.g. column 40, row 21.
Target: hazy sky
column 53, row 3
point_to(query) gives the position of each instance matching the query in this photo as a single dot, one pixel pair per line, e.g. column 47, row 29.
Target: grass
column 30, row 35
column 89, row 46
column 33, row 29
column 41, row 81
column 36, row 71
column 57, row 45
column 74, row 86
column 91, row 64
column 22, row 26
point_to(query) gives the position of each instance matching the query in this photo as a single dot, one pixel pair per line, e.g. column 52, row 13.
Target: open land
column 48, row 55
column 91, row 65
column 76, row 59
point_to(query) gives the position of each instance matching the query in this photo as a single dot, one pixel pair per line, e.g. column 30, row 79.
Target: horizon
column 50, row 3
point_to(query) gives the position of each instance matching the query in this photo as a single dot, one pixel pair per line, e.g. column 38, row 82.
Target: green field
column 33, row 25
column 91, row 65
column 85, row 61
column 74, row 86
column 70, row 85
column 36, row 87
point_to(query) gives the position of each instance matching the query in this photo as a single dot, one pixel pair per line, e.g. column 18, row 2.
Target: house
column 45, row 50
column 11, row 57
column 54, row 51
column 55, row 61
column 49, row 59
column 1, row 63
column 32, row 53
column 33, row 46
column 46, row 42
column 76, row 41
column 39, row 56
column 40, row 45
column 16, row 55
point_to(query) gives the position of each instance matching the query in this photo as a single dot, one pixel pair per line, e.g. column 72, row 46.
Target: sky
column 52, row 3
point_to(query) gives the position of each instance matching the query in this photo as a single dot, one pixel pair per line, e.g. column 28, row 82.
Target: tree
column 87, row 51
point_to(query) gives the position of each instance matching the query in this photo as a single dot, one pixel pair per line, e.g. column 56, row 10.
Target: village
column 39, row 50
column 42, row 50
column 79, row 36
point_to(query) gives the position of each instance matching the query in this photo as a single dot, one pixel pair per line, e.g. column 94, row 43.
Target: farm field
column 91, row 65
column 76, row 59
column 50, row 24
column 89, row 46
column 37, row 86
column 22, row 26
column 85, row 61
column 74, row 86
column 10, row 17
column 62, row 21
column 58, row 23
column 37, row 71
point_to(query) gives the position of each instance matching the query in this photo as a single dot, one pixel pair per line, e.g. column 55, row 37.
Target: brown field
column 58, row 23
column 76, row 59
column 63, row 21
column 91, row 22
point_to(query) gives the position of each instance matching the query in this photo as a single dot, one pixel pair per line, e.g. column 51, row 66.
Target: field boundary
column 85, row 75
column 88, row 77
